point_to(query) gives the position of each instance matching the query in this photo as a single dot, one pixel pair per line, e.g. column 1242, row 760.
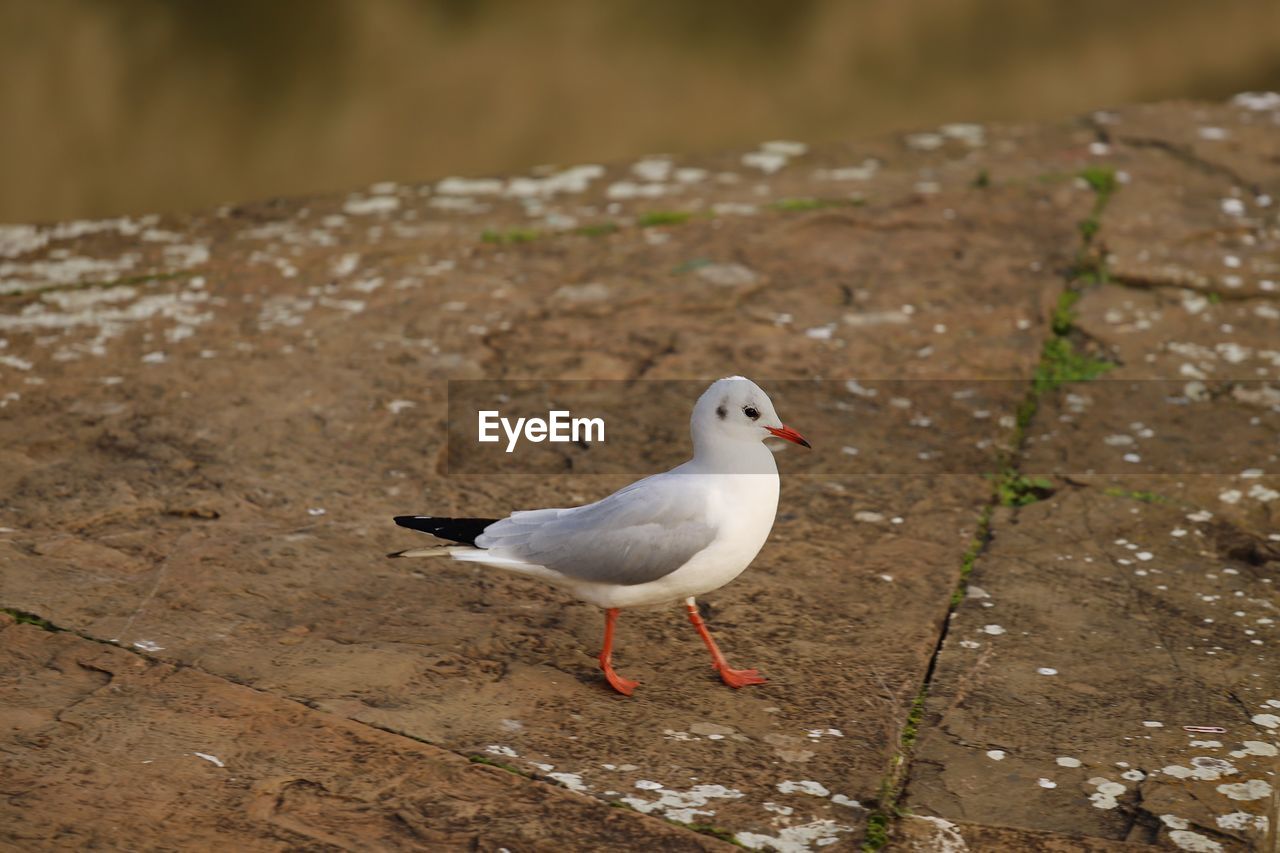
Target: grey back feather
column 638, row 534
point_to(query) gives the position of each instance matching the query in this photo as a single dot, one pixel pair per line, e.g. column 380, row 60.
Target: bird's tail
column 464, row 530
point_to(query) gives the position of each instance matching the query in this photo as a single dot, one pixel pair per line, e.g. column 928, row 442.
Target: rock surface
column 209, row 419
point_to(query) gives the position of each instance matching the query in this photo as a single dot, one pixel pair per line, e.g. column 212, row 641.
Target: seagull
column 669, row 537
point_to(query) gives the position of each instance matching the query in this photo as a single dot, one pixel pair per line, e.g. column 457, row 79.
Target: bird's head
column 737, row 409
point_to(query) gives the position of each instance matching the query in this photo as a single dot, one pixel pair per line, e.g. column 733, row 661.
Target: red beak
column 789, row 434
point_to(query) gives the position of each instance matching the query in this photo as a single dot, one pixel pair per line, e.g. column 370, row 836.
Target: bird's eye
column 751, row 412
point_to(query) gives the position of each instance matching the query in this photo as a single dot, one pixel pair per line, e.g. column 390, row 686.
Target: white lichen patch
column 572, row 781
column 806, row 786
column 1067, row 761
column 97, row 310
column 864, row 172
column 877, row 318
column 18, row 240
column 459, row 204
column 1257, row 101
column 1253, row 789
column 470, row 186
column 15, row 362
column 370, row 205
column 573, row 180
column 946, row 835
column 185, row 257
column 684, row 806
column 1267, row 721
column 924, row 141
column 773, row 156
column 1255, row 747
column 1106, row 793
column 815, row 734
column 1185, row 839
column 656, row 169
column 351, row 306
column 1210, row 769
column 795, row 839
column 973, row 135
column 1262, row 494
column 1242, row 820
column 627, row 190
column 283, row 311
column 16, row 277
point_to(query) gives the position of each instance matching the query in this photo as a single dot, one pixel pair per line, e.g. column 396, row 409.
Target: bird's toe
column 741, row 677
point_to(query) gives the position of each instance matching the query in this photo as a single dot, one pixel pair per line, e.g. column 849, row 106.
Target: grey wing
column 636, row 535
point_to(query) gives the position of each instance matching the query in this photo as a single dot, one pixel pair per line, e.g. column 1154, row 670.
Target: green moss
column 976, row 544
column 1102, row 180
column 501, row 765
column 983, row 180
column 911, row 729
column 1026, row 411
column 1014, row 489
column 1060, row 364
column 1090, row 268
column 597, row 229
column 510, row 236
column 877, row 834
column 1064, row 315
column 711, row 830
column 663, row 217
column 22, row 617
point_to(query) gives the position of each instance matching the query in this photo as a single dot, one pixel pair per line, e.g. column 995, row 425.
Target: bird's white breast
column 742, row 508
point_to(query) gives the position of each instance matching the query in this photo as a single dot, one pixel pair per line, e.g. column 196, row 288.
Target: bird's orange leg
column 730, row 676
column 622, row 685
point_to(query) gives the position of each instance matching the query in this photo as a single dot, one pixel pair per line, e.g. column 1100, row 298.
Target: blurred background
column 125, row 106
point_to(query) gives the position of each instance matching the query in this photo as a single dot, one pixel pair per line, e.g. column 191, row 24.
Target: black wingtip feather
column 464, row 530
